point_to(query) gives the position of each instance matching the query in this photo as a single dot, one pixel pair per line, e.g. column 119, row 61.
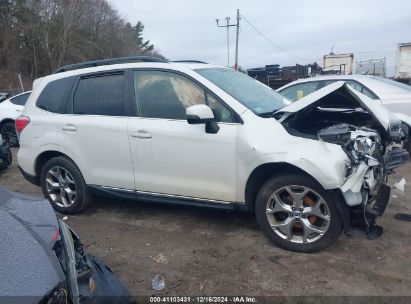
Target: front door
column 172, row 157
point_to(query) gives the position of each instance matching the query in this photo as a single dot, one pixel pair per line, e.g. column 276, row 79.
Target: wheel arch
column 6, row 120
column 45, row 156
column 261, row 174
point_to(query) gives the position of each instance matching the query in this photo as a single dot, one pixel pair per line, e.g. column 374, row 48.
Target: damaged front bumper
column 370, row 161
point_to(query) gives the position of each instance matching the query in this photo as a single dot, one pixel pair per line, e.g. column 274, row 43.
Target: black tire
column 276, row 183
column 82, row 199
column 407, row 143
column 407, row 137
column 8, row 132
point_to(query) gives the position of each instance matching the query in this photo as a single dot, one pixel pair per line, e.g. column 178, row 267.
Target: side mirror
column 202, row 114
column 199, row 114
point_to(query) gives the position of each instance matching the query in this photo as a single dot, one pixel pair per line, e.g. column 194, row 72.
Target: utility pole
column 228, row 40
column 227, row 26
column 236, row 40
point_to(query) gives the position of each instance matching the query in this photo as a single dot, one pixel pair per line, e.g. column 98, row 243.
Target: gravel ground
column 211, row 252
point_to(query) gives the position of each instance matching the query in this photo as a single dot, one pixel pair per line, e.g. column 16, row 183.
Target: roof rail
column 95, row 63
column 189, row 61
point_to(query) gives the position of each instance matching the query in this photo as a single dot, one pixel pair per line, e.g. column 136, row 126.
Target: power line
column 299, row 57
column 272, row 43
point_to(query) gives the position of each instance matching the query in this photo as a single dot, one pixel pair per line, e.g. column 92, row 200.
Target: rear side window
column 20, row 100
column 55, row 95
column 100, row 95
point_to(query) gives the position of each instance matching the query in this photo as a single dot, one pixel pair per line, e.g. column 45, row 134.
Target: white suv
column 198, row 134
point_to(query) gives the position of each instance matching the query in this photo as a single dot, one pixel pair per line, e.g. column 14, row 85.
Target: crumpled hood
column 29, row 266
column 383, row 115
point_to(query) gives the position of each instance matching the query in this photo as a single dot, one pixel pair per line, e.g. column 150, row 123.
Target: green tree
column 144, row 46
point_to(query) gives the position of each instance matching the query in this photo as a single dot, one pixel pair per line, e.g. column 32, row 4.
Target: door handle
column 141, row 134
column 70, row 128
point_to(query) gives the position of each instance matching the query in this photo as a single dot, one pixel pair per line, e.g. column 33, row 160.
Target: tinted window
column 300, row 90
column 100, row 95
column 20, row 100
column 55, row 95
column 167, row 95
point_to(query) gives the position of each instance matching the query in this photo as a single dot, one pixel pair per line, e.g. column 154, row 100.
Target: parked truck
column 403, row 64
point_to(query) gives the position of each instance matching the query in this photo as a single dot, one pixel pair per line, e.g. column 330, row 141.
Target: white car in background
column 10, row 109
column 393, row 95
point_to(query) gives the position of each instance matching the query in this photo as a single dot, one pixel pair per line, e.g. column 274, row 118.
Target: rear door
column 94, row 130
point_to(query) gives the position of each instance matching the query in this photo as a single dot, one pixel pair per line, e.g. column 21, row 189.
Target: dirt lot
column 220, row 253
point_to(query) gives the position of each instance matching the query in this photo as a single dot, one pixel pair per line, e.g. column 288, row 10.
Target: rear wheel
column 64, row 186
column 297, row 214
column 8, row 132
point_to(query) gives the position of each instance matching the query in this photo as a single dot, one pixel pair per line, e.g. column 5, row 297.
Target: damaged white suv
column 197, row 134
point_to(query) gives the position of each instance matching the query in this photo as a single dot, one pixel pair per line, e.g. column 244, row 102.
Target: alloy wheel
column 61, row 186
column 298, row 214
column 8, row 132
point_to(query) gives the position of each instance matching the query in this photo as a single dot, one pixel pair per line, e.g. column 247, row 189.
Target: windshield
column 256, row 96
column 394, row 83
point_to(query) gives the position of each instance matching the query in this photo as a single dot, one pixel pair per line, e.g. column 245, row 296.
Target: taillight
column 55, row 234
column 21, row 123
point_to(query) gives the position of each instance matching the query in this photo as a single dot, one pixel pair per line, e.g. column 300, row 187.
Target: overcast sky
column 184, row 29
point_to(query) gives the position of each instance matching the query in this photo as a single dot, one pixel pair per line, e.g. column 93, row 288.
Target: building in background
column 375, row 67
column 338, row 63
column 403, row 64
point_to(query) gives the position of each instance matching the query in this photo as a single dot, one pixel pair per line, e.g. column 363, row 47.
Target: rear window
column 100, row 95
column 20, row 100
column 55, row 95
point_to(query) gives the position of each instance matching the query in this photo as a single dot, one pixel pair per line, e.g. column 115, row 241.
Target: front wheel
column 63, row 185
column 297, row 214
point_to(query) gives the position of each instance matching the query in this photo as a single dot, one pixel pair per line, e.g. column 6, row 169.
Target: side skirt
column 144, row 196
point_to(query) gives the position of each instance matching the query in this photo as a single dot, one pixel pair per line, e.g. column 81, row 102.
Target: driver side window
column 161, row 94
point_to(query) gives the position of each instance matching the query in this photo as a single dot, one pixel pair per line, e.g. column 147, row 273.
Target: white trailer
column 403, row 65
column 339, row 63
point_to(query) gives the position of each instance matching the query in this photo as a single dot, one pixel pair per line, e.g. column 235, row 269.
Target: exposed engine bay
column 374, row 149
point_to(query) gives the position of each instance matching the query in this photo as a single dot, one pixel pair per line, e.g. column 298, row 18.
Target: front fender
column 322, row 161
